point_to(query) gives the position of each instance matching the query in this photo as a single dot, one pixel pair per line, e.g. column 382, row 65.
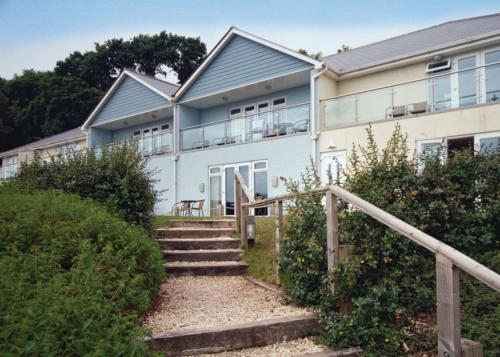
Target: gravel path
column 204, row 301
column 285, row 349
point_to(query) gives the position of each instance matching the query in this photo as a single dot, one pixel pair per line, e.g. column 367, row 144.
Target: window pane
column 467, row 81
column 260, row 188
column 215, row 194
column 260, row 165
column 229, row 191
column 215, row 170
column 440, row 92
column 492, row 76
column 244, row 171
column 279, row 101
column 489, row 145
column 431, row 148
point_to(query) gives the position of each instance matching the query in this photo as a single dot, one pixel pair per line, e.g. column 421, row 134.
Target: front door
column 333, row 165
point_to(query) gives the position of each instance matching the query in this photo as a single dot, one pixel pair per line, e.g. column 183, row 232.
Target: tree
column 344, row 48
column 316, row 56
column 36, row 104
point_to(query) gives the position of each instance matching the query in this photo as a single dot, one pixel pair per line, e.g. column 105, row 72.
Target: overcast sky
column 37, row 33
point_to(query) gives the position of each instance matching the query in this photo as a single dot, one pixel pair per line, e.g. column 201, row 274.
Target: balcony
column 267, row 124
column 152, row 145
column 448, row 90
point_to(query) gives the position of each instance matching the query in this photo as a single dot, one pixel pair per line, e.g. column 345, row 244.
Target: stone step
column 203, row 255
column 206, row 268
column 205, row 223
column 234, row 337
column 199, row 243
column 193, row 232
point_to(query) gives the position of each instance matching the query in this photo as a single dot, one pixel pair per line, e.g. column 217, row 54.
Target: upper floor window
column 492, row 75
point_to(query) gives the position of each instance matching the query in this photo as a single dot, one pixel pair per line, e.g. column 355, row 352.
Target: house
column 59, row 144
column 263, row 110
column 139, row 107
column 441, row 84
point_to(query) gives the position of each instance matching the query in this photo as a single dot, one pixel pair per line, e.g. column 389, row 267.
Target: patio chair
column 301, row 126
column 198, row 206
column 417, row 108
column 201, row 144
column 182, row 208
column 396, row 111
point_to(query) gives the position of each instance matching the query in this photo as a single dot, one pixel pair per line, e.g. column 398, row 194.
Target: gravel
column 189, row 302
column 285, row 349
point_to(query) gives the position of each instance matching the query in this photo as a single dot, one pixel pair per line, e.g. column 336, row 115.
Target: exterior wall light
column 251, row 230
column 332, row 144
column 275, row 180
column 201, row 187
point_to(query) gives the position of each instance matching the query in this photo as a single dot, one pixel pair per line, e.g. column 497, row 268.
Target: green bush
column 390, row 280
column 74, row 277
column 116, row 176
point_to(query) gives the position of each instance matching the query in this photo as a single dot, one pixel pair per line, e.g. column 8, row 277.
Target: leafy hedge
column 390, row 280
column 74, row 277
column 116, row 176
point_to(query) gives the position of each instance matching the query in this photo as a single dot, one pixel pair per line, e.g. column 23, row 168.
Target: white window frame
column 331, row 154
column 455, row 89
column 478, row 137
column 483, row 78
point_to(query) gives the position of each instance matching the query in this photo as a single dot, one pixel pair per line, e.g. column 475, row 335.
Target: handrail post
column 332, row 233
column 278, row 211
column 448, row 307
column 243, row 222
column 237, row 210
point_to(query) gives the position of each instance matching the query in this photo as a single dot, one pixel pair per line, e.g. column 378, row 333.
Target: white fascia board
column 222, row 43
column 115, row 85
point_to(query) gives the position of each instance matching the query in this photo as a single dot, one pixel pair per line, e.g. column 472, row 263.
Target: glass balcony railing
column 157, row 144
column 258, row 126
column 443, row 91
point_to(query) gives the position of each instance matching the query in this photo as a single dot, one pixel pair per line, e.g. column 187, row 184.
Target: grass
column 261, row 256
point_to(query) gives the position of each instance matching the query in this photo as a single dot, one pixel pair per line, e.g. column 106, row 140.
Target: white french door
column 222, row 194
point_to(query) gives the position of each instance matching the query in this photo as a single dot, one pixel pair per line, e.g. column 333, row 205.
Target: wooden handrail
column 469, row 265
column 448, row 259
column 244, row 187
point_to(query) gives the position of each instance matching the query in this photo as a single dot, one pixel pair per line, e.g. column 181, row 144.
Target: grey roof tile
column 68, row 135
column 414, row 43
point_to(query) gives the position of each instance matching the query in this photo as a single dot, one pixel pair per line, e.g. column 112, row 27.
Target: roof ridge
column 132, row 71
column 412, row 32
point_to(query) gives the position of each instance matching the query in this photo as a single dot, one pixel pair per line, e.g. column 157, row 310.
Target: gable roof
column 415, row 43
column 233, row 31
column 69, row 135
column 163, row 88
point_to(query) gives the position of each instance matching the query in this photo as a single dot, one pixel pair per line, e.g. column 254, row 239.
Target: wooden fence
column 449, row 261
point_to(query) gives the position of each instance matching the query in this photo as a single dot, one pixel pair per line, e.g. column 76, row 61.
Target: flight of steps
column 201, row 247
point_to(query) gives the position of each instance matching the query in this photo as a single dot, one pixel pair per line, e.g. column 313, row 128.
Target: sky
column 37, row 33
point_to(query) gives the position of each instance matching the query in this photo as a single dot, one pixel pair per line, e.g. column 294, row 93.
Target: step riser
column 206, row 270
column 246, row 335
column 202, row 256
column 197, row 245
column 195, row 233
column 203, row 224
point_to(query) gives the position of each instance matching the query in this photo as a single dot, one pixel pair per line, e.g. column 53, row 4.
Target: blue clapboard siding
column 242, row 61
column 130, row 98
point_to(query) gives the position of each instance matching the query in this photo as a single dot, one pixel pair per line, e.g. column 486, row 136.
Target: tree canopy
column 37, row 104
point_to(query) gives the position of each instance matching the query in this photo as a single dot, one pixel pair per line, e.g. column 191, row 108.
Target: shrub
column 74, row 277
column 390, row 280
column 116, row 176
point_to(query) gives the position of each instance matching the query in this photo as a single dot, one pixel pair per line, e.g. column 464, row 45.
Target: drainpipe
column 314, row 131
column 174, row 153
